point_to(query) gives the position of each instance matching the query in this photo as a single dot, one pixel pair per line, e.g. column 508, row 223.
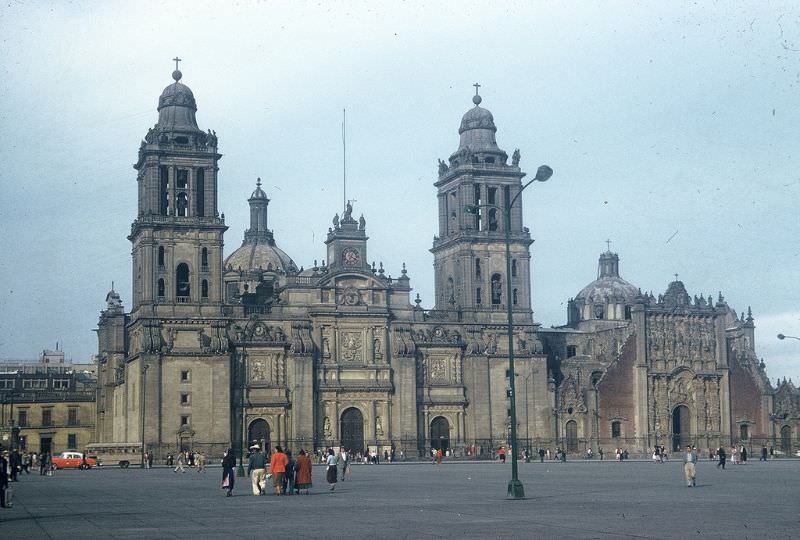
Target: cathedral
column 251, row 348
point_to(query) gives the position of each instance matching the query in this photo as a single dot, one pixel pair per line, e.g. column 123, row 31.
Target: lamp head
column 781, row 336
column 543, row 173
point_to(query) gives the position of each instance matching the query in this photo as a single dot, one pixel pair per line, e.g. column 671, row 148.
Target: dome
column 608, row 283
column 260, row 255
column 176, row 107
column 608, row 287
column 477, row 133
column 258, row 193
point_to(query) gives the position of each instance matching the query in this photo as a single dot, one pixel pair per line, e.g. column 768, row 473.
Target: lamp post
column 781, row 336
column 241, row 370
column 144, row 404
column 515, row 488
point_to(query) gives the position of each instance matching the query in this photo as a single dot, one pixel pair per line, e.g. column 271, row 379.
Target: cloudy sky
column 672, row 128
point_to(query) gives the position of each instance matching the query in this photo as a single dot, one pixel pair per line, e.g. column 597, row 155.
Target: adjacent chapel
column 223, row 351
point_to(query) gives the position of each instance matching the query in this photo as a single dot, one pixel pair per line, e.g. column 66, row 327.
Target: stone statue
column 211, row 138
column 326, row 427
column 336, row 221
column 348, row 212
column 378, row 426
column 362, row 223
column 515, row 158
column 443, row 168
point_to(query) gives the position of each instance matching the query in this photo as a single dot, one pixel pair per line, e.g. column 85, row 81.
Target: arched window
column 161, row 288
column 204, row 288
column 786, row 438
column 164, row 193
column 744, row 432
column 204, row 258
column 497, row 287
column 478, row 295
column 182, row 289
column 616, row 429
column 627, row 312
column 477, row 268
column 514, row 268
column 515, row 297
column 161, row 256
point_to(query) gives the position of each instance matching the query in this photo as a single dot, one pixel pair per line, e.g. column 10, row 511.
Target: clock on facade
column 350, row 256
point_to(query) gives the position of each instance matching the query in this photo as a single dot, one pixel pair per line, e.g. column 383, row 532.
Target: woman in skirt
column 332, row 471
column 302, row 472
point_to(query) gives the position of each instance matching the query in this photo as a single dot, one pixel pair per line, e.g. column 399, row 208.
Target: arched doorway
column 258, row 433
column 572, row 436
column 352, row 428
column 786, row 439
column 440, row 433
column 680, row 427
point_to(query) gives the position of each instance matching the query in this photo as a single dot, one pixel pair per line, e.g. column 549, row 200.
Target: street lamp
column 515, row 488
column 144, row 404
column 781, row 336
column 241, row 369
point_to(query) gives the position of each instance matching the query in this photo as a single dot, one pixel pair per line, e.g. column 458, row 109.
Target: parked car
column 73, row 460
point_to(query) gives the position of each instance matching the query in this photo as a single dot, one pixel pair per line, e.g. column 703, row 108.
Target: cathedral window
column 616, row 429
column 744, row 432
column 200, row 191
column 477, row 268
column 184, row 399
column 204, row 258
column 572, row 350
column 492, row 195
column 184, row 420
column 493, row 219
column 515, row 297
column 476, row 200
column 497, row 287
column 478, row 295
column 182, row 204
column 598, row 311
column 183, row 179
column 514, row 268
column 182, row 288
column 161, row 256
column 627, row 312
column 161, row 288
column 164, row 193
column 185, row 375
column 204, row 289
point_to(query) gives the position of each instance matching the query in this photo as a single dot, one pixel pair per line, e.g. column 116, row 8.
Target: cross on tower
column 608, row 243
column 476, row 85
column 676, row 277
column 176, row 60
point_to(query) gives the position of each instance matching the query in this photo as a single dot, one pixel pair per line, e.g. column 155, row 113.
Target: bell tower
column 474, row 188
column 177, row 235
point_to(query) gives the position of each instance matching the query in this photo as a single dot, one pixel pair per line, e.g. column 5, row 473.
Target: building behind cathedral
column 216, row 351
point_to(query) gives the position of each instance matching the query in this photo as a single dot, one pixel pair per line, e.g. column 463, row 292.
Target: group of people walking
column 286, row 473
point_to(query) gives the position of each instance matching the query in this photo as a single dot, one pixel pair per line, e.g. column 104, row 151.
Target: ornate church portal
column 353, row 430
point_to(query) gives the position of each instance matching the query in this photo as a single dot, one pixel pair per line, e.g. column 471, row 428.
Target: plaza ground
column 579, row 499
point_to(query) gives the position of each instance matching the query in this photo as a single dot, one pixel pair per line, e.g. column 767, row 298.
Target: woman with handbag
column 228, row 463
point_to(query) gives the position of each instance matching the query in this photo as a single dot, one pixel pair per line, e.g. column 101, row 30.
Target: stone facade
column 256, row 348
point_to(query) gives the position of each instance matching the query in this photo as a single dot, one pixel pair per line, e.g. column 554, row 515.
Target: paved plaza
column 579, row 499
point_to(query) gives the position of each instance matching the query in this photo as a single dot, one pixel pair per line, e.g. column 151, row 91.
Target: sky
column 672, row 128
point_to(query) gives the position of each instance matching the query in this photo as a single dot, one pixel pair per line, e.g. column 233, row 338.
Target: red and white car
column 72, row 460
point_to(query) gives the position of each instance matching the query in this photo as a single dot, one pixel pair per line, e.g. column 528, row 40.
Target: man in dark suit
column 4, row 466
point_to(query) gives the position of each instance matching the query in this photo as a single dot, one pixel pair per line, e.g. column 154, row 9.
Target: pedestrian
column 4, row 474
column 689, row 472
column 771, row 452
column 332, row 471
column 16, row 464
column 201, row 462
column 302, row 479
column 734, row 455
column 228, row 478
column 170, row 460
column 600, row 451
column 343, row 462
column 502, row 454
column 146, row 461
column 541, row 455
column 439, row 454
column 288, row 478
column 179, row 463
column 43, row 463
column 26, row 463
column 763, row 453
column 618, row 454
column 721, row 456
column 257, row 469
column 150, row 460
column 277, row 467
column 743, row 455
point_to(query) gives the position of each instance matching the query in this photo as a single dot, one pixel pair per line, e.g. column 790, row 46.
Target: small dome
column 177, row 108
column 477, row 135
column 258, row 193
column 177, row 94
column 260, row 255
column 477, row 118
